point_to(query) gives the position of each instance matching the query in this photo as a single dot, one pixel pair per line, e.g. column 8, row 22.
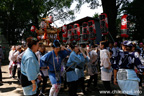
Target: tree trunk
column 109, row 7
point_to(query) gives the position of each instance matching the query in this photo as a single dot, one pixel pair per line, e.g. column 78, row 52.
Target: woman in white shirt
column 10, row 60
column 16, row 63
column 106, row 69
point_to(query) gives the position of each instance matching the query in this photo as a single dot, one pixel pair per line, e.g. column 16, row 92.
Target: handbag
column 57, row 74
column 122, row 74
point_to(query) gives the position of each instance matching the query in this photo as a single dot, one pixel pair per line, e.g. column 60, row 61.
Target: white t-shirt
column 10, row 56
column 105, row 60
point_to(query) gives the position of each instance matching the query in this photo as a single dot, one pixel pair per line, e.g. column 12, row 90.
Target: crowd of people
column 119, row 64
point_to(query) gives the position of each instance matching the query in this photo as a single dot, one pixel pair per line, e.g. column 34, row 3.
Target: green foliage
column 96, row 15
column 136, row 10
column 118, row 26
column 17, row 16
column 92, row 3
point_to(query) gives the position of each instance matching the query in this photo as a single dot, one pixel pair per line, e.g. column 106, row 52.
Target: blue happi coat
column 47, row 60
column 126, row 62
column 80, row 67
column 73, row 61
column 29, row 68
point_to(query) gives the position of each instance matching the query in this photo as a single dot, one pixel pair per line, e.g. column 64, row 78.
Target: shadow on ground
column 13, row 86
column 7, row 89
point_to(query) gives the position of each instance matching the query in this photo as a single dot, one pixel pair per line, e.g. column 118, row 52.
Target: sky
column 84, row 12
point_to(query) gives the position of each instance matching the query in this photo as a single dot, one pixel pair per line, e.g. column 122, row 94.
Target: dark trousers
column 0, row 74
column 107, row 87
column 141, row 78
column 14, row 71
column 64, row 81
column 19, row 73
column 93, row 77
column 44, row 83
column 81, row 84
column 72, row 88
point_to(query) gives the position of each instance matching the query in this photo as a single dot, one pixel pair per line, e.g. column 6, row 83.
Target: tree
column 136, row 9
column 111, row 8
column 17, row 16
column 96, row 15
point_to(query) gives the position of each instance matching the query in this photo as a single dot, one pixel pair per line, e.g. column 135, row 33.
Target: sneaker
column 10, row 76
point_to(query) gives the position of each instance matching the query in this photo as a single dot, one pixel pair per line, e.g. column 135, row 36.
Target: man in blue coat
column 53, row 60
